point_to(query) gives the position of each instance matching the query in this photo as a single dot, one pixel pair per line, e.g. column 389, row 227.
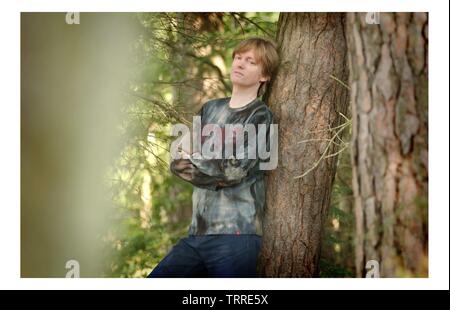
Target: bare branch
column 252, row 22
column 340, row 82
column 324, row 154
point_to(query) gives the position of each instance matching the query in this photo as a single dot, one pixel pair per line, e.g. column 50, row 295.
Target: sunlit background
column 97, row 101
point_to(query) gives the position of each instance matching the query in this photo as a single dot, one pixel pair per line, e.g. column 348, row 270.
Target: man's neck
column 242, row 96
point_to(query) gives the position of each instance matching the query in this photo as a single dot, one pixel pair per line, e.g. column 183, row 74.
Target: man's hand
column 184, row 155
column 185, row 168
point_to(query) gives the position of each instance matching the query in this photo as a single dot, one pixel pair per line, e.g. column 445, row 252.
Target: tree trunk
column 304, row 98
column 389, row 95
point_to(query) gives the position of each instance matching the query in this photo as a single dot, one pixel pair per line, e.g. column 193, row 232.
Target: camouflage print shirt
column 229, row 193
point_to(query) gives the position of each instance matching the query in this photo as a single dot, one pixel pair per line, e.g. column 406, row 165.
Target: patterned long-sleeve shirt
column 229, row 193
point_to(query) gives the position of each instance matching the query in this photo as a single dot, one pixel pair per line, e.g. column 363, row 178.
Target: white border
column 10, row 146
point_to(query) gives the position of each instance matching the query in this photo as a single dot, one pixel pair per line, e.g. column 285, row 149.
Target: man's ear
column 263, row 79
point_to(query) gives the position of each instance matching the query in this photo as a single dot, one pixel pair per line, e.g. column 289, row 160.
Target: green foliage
column 337, row 259
column 330, row 270
column 173, row 55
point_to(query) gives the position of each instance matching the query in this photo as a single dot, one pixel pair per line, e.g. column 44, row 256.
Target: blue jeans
column 227, row 256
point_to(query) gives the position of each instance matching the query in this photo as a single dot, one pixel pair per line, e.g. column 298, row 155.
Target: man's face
column 245, row 71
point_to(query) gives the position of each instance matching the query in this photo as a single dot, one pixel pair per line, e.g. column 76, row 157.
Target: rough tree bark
column 389, row 95
column 303, row 98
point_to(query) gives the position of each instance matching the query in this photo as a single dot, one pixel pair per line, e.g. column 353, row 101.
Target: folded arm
column 218, row 173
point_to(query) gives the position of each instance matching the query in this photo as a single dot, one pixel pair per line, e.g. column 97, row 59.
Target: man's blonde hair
column 266, row 54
